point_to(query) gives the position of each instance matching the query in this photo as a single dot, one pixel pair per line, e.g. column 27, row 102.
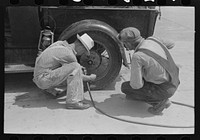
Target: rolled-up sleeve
column 136, row 80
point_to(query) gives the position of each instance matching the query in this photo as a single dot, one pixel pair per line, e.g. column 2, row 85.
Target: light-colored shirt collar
column 71, row 46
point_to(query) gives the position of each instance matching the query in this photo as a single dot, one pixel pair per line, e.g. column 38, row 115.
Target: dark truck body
column 23, row 26
column 22, row 31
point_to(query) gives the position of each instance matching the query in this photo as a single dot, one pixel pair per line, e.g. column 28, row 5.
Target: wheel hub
column 91, row 62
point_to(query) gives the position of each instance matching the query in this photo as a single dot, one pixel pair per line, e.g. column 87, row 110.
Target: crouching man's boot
column 159, row 107
column 55, row 91
column 78, row 105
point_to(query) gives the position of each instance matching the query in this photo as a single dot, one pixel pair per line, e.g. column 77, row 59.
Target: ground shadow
column 112, row 85
column 117, row 105
column 26, row 94
column 37, row 98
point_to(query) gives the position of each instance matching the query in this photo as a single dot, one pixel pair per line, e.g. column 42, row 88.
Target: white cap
column 87, row 41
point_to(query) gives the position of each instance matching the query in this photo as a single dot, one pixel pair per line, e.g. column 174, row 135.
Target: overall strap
column 169, row 57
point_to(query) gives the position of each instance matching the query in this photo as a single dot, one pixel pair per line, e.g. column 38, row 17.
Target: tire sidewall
column 111, row 47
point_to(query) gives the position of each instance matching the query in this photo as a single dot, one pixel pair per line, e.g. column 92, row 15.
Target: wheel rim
column 106, row 62
column 98, row 62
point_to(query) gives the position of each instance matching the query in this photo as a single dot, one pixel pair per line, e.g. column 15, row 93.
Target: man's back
column 144, row 66
column 53, row 57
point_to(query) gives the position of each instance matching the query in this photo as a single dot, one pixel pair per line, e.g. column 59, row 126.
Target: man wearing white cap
column 154, row 75
column 57, row 70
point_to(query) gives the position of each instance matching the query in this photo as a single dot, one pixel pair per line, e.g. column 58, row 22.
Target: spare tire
column 105, row 60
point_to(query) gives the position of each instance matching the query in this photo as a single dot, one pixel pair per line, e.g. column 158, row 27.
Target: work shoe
column 159, row 107
column 54, row 91
column 78, row 105
column 153, row 103
column 91, row 77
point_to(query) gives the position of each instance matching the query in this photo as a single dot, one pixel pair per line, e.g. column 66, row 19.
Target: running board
column 17, row 68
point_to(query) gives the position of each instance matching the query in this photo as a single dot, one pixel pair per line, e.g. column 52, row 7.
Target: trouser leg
column 68, row 75
column 149, row 92
column 75, row 87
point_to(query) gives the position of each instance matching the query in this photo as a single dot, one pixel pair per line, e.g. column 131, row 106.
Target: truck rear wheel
column 105, row 59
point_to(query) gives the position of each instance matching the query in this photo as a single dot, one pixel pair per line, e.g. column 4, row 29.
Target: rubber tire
column 114, row 54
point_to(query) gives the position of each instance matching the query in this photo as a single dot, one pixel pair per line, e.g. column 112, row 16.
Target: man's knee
column 68, row 69
column 125, row 86
column 75, row 65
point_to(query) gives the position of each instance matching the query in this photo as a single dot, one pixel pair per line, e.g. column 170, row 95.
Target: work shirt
column 144, row 66
column 57, row 68
column 54, row 56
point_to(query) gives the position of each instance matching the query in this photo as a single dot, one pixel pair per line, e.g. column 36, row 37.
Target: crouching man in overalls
column 154, row 75
column 57, row 68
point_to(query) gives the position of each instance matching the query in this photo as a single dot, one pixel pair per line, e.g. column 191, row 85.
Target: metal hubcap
column 91, row 62
column 98, row 62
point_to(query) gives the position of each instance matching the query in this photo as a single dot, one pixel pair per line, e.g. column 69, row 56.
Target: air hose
column 137, row 122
